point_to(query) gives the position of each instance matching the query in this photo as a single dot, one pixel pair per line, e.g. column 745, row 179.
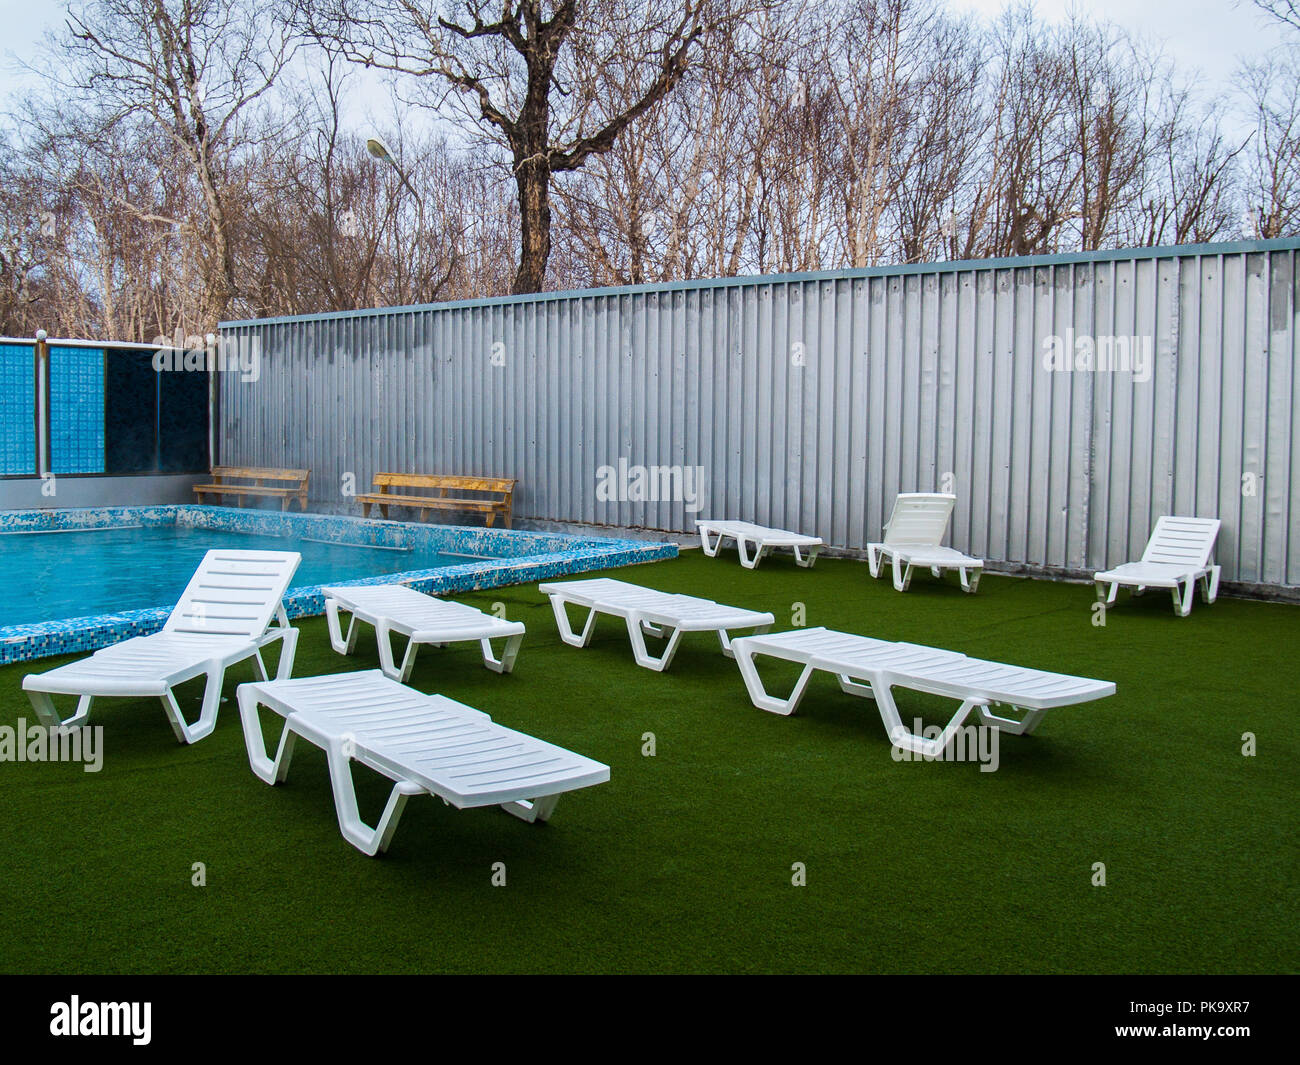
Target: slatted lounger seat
column 224, row 617
column 1178, row 555
column 761, row 537
column 647, row 611
column 425, row 744
column 873, row 668
column 395, row 608
column 912, row 538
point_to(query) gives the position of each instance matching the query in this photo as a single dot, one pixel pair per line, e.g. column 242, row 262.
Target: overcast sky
column 1209, row 36
column 1205, row 36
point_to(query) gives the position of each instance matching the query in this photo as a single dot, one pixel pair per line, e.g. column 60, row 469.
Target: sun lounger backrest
column 1182, row 541
column 919, row 518
column 234, row 593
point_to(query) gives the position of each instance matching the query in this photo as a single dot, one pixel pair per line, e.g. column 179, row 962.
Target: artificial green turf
column 683, row 861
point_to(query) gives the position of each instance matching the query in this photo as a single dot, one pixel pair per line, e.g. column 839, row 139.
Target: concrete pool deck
column 518, row 557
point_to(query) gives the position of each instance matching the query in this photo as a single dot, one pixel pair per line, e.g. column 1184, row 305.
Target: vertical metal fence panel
column 977, row 477
column 1254, row 393
column 1279, row 495
column 810, row 401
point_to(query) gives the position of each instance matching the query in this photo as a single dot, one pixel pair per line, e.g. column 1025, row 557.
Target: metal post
column 213, row 342
column 41, row 412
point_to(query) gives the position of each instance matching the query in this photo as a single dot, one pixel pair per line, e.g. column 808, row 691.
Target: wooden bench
column 241, row 481
column 491, row 494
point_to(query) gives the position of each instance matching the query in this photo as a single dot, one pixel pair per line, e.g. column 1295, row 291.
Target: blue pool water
column 46, row 576
column 79, row 579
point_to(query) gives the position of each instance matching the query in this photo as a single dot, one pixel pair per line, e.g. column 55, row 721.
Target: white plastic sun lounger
column 1178, row 555
column 873, row 668
column 223, row 617
column 762, row 538
column 425, row 744
column 395, row 608
column 647, row 611
column 912, row 538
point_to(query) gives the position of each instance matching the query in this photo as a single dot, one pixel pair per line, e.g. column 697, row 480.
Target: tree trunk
column 533, row 179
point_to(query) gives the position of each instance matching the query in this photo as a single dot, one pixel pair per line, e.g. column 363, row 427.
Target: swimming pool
column 75, row 580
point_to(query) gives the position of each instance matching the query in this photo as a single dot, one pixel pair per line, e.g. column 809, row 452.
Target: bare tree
column 1188, row 192
column 194, row 170
column 1031, row 164
column 31, row 213
column 871, row 61
column 1285, row 11
column 526, row 71
column 934, row 173
column 135, row 229
column 192, row 69
column 107, row 210
column 1112, row 89
column 1272, row 90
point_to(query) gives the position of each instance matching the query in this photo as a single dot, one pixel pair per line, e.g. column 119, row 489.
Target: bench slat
column 447, row 503
column 439, row 480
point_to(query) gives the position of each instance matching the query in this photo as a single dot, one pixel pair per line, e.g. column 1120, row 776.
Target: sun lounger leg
column 902, row 575
column 806, row 560
column 408, row 659
column 534, row 811
column 370, row 841
column 1210, row 585
column 1024, row 727
column 642, row 653
column 509, row 653
column 873, row 559
column 710, row 549
column 1106, row 593
column 852, row 687
column 337, row 641
column 48, row 715
column 970, row 579
column 1182, row 597
column 273, row 772
column 83, row 712
column 566, row 630
column 724, row 638
column 745, row 559
column 758, row 694
column 207, row 715
column 288, row 649
column 900, row 736
column 384, row 634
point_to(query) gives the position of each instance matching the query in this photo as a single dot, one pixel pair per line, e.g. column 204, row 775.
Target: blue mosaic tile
column 522, row 558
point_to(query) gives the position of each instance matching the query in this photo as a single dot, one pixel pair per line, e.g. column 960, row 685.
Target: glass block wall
column 110, row 411
column 76, row 410
column 17, row 421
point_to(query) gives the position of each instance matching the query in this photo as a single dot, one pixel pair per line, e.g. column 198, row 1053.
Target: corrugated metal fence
column 809, row 401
